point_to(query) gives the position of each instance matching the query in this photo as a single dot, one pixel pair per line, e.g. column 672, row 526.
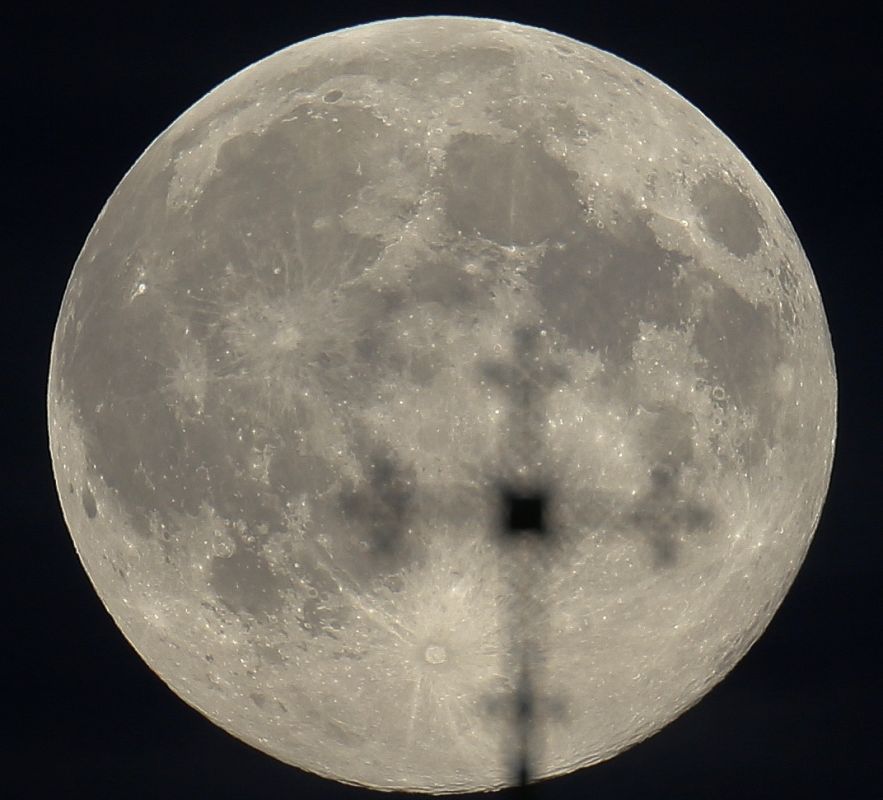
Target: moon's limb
column 275, row 449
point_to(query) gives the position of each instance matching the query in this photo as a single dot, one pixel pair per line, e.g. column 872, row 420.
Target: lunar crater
column 435, row 654
column 89, row 504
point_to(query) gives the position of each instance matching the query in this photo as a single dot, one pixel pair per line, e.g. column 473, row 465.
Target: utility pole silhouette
column 526, row 538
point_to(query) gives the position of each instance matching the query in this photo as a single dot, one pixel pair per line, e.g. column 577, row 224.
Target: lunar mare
column 275, row 441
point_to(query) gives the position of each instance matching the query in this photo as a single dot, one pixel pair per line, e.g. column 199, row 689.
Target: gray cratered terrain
column 276, row 416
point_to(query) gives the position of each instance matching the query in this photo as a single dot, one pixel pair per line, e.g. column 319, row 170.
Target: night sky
column 799, row 92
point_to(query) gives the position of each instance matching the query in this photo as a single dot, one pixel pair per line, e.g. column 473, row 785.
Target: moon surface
column 279, row 405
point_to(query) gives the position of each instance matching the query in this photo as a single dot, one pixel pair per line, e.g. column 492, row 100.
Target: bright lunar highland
column 279, row 406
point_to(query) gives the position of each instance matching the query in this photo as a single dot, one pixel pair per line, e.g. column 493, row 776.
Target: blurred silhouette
column 525, row 535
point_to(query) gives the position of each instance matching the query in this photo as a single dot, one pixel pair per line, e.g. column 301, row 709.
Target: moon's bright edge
column 269, row 359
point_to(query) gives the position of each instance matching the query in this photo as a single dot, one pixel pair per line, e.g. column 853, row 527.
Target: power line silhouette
column 526, row 538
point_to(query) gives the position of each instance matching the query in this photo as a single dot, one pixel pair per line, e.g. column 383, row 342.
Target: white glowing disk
column 268, row 367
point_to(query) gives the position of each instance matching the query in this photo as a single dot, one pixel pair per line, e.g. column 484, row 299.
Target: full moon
column 289, row 374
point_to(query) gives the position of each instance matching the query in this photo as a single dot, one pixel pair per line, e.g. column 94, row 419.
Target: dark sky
column 84, row 92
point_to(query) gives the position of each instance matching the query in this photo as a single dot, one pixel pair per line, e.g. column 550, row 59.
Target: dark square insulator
column 524, row 513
